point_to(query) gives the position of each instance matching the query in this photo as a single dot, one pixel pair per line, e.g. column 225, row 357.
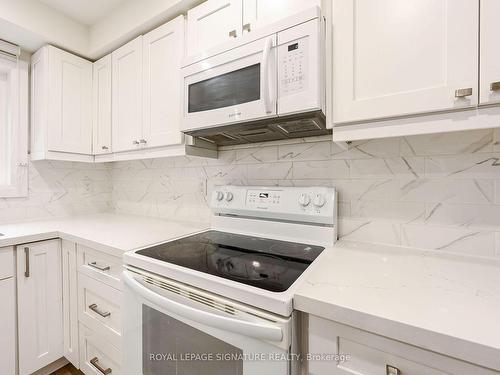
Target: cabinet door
column 39, row 298
column 163, row 51
column 8, row 326
column 70, row 302
column 211, row 23
column 259, row 13
column 101, row 109
column 337, row 349
column 490, row 53
column 69, row 101
column 395, row 58
column 127, row 96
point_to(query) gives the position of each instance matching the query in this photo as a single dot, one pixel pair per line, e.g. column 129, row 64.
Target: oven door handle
column 265, row 75
column 250, row 329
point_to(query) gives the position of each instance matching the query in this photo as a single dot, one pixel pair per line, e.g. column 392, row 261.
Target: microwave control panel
column 300, row 61
column 293, row 67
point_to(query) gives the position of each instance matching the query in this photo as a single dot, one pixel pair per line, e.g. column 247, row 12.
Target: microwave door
column 236, row 86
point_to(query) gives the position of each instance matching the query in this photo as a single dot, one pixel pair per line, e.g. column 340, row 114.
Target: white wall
column 31, row 24
column 131, row 19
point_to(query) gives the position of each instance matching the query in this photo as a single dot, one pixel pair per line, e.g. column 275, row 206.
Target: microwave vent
column 259, row 135
column 298, row 125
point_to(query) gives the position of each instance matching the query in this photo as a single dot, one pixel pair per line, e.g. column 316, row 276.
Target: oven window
column 171, row 347
column 226, row 90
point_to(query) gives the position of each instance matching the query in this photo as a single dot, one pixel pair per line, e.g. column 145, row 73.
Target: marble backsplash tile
column 438, row 191
column 59, row 189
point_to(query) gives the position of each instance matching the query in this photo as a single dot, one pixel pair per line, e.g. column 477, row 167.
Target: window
column 13, row 127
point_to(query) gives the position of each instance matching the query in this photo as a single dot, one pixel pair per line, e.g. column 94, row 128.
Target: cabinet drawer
column 97, row 355
column 363, row 353
column 100, row 266
column 99, row 308
column 6, row 262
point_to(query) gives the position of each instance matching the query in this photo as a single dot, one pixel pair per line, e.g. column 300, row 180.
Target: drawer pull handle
column 391, row 370
column 462, row 93
column 103, row 268
column 94, row 308
column 27, row 266
column 495, row 86
column 233, row 34
column 95, row 362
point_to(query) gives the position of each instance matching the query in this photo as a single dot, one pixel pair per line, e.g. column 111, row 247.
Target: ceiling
column 86, row 12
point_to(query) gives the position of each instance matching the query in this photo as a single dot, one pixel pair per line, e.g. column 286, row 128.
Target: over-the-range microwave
column 269, row 85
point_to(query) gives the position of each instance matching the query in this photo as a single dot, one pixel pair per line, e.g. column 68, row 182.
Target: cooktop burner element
column 261, row 262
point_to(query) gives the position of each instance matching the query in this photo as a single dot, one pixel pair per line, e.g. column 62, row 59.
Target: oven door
column 235, row 86
column 171, row 329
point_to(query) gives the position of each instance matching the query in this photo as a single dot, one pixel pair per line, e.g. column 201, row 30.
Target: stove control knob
column 319, row 200
column 304, row 200
column 229, row 196
column 219, row 195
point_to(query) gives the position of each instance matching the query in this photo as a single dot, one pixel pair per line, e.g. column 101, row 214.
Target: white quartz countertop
column 442, row 302
column 111, row 233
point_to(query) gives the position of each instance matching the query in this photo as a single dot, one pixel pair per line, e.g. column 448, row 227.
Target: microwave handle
column 250, row 329
column 265, row 75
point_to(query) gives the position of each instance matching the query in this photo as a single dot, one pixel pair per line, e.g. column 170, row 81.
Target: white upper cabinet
column 259, row 13
column 127, row 96
column 211, row 23
column 217, row 21
column 490, row 52
column 40, row 310
column 61, row 103
column 101, row 108
column 394, row 58
column 163, row 49
column 70, row 92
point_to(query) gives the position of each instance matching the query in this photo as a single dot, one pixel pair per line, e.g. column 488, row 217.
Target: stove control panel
column 300, row 204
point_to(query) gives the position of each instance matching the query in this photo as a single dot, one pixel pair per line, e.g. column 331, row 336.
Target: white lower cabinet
column 7, row 312
column 97, row 356
column 99, row 308
column 338, row 349
column 40, row 310
column 99, row 311
column 70, row 302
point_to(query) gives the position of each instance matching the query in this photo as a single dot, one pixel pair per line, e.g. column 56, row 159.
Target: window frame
column 18, row 74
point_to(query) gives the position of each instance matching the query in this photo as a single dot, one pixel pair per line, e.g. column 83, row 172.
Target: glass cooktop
column 261, row 262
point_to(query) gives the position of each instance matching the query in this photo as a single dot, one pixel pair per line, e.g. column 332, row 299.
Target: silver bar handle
column 462, row 93
column 94, row 308
column 95, row 362
column 265, row 75
column 233, row 34
column 391, row 370
column 105, row 147
column 495, row 86
column 97, row 267
column 27, row 266
column 247, row 27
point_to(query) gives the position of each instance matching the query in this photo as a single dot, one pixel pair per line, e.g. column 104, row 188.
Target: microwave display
column 225, row 90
